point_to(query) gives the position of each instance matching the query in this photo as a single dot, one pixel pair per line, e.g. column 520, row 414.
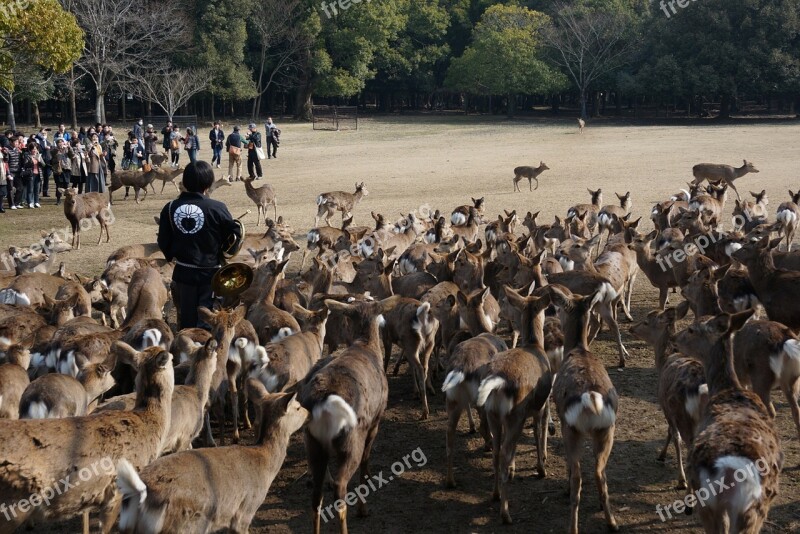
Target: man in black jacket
column 45, row 147
column 217, row 138
column 194, row 230
column 253, row 145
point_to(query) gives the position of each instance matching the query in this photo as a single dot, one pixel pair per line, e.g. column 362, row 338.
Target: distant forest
column 116, row 59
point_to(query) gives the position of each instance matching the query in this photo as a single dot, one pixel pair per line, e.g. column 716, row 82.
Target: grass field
column 410, row 162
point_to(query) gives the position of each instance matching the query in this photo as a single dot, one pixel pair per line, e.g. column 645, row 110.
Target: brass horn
column 232, row 279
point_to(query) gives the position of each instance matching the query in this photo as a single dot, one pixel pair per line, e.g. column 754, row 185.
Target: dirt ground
column 441, row 162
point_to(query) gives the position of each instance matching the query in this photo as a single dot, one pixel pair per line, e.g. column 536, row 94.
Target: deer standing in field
column 581, row 125
column 346, row 399
column 210, row 489
column 86, row 206
column 531, row 173
column 715, row 173
column 461, row 213
column 329, row 203
column 516, row 387
column 263, row 197
column 591, row 210
column 585, row 399
column 682, row 388
column 788, row 215
column 735, row 435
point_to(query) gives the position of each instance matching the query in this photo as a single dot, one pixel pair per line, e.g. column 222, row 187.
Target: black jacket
column 234, row 139
column 193, row 230
column 255, row 138
column 216, row 138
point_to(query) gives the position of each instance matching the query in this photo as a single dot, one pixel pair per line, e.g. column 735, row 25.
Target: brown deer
column 531, row 173
column 585, row 399
column 329, row 203
column 263, row 197
column 13, row 382
column 86, row 206
column 736, row 432
column 591, row 210
column 37, row 452
column 181, row 492
column 682, row 389
column 461, row 213
column 609, row 216
column 788, row 215
column 55, row 395
column 516, row 387
column 716, row 173
column 581, row 125
column 346, row 399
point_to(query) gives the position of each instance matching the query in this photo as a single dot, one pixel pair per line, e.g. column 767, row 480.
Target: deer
column 682, row 388
column 325, row 238
column 36, row 452
column 55, row 395
column 136, row 179
column 716, row 173
column 591, row 210
column 460, row 215
column 180, row 492
column 411, row 326
column 289, row 360
column 329, row 203
column 788, row 215
column 586, row 400
column 609, row 215
column 516, row 387
column 659, row 268
column 735, row 432
column 263, row 197
column 617, row 264
column 777, row 290
column 467, row 367
column 30, row 289
column 13, row 381
column 143, row 250
column 189, row 400
column 766, row 356
column 710, row 205
column 531, row 173
column 346, row 399
column 86, row 206
column 167, row 175
column 581, row 125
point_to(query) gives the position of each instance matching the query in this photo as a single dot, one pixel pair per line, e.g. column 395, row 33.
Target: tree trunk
column 725, row 107
column 596, row 104
column 124, row 105
column 36, row 117
column 511, row 105
column 583, row 105
column 12, row 120
column 73, row 108
column 213, row 118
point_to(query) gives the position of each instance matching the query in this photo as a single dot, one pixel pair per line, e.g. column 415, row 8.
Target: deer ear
column 775, row 242
column 341, row 307
column 560, row 296
column 681, row 310
column 737, row 320
column 462, row 300
column 450, row 300
column 126, row 354
column 206, row 315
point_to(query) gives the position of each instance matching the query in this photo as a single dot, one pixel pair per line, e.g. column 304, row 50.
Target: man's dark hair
column 198, row 176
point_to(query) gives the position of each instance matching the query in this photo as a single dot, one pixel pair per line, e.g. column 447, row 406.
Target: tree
column 26, row 38
column 282, row 40
column 222, row 37
column 167, row 86
column 124, row 37
column 505, row 57
column 589, row 42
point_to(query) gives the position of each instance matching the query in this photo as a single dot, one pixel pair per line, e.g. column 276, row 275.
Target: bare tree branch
column 168, row 87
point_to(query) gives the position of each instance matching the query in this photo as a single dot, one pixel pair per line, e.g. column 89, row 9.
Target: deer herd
column 501, row 322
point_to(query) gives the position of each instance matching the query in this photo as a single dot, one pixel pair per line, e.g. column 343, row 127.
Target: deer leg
column 425, row 361
column 470, row 419
column 496, row 430
column 603, row 442
column 275, row 208
column 676, row 437
column 318, row 463
column 364, row 466
column 516, row 183
column 387, row 353
column 537, row 184
column 514, row 336
column 540, row 429
column 735, row 190
column 454, row 409
column 484, row 429
column 572, row 444
column 662, row 456
column 418, row 371
column 507, row 452
column 234, row 393
column 663, row 297
column 347, row 465
column 792, row 392
column 109, row 513
column 763, row 388
column 175, row 185
column 608, row 318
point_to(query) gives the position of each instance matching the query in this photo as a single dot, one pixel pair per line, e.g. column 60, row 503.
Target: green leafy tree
column 506, row 57
column 221, row 33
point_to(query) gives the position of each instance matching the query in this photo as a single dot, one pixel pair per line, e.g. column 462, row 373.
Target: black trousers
column 253, row 161
column 47, row 172
column 188, row 298
column 273, row 145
